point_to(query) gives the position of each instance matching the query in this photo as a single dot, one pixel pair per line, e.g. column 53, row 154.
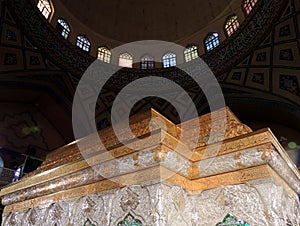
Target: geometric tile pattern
column 279, row 53
column 25, row 128
column 289, row 83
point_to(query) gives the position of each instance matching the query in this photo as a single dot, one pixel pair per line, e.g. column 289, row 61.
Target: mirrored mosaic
column 230, row 220
column 130, row 221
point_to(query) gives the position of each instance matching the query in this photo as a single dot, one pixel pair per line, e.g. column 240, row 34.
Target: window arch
column 169, row 60
column 232, row 24
column 83, row 43
column 104, row 54
column 190, row 53
column 125, row 60
column 45, row 7
column 63, row 28
column 212, row 41
column 147, row 62
column 249, row 5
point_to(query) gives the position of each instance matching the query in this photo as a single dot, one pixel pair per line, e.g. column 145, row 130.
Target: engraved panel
column 261, row 202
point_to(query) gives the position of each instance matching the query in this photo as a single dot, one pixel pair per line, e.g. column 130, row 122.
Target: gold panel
column 68, row 160
column 262, row 137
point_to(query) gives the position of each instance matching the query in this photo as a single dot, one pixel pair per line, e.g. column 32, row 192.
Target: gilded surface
column 140, row 126
column 165, row 157
column 244, row 156
column 151, row 174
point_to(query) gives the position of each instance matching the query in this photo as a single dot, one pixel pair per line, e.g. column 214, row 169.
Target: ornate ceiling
column 258, row 69
column 131, row 20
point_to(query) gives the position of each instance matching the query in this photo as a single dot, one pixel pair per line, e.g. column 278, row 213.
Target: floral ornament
column 88, row 223
column 130, row 201
column 130, row 221
column 230, row 220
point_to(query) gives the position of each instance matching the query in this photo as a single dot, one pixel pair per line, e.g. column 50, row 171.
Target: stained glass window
column 130, row 221
column 232, row 24
column 125, row 60
column 249, row 5
column 169, row 60
column 63, row 28
column 190, row 53
column 45, row 8
column 230, row 220
column 104, row 54
column 83, row 43
column 147, row 62
column 212, row 41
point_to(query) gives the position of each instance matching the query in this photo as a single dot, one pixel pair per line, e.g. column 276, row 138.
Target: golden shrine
column 240, row 178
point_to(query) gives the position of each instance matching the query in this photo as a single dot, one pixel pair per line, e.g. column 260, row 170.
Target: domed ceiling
column 130, row 20
column 45, row 69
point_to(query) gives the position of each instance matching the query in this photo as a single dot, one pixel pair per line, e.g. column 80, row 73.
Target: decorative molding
column 78, row 173
column 162, row 162
column 146, row 176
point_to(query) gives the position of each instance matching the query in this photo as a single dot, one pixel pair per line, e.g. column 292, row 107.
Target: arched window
column 63, row 28
column 169, row 60
column 104, row 54
column 45, row 8
column 212, row 41
column 232, row 24
column 190, row 53
column 249, row 5
column 83, row 43
column 147, row 62
column 125, row 60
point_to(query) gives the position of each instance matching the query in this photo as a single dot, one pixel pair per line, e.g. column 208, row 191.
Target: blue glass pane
column 212, row 41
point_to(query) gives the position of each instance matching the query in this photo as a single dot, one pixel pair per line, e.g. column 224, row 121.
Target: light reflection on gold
column 60, row 173
column 261, row 137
